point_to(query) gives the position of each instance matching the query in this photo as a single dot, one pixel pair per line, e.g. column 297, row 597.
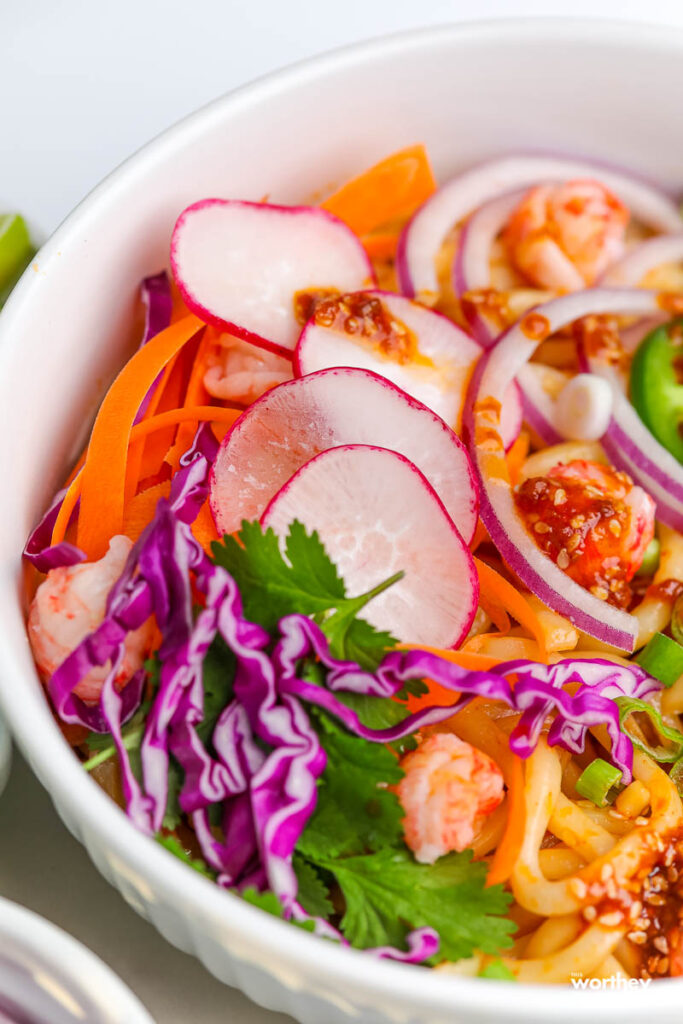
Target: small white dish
column 5, row 754
column 47, row 977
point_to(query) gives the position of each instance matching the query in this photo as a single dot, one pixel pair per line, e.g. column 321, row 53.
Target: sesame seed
column 640, row 820
column 672, row 874
column 600, row 592
column 541, row 528
column 614, row 527
column 611, row 920
column 615, row 814
column 661, row 944
column 606, row 872
column 589, row 913
column 663, row 965
column 560, row 496
column 578, row 888
column 655, row 900
column 637, row 938
column 563, row 559
column 635, row 909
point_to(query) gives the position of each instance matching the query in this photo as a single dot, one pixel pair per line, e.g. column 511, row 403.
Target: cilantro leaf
column 359, row 642
column 496, row 970
column 269, row 902
column 388, row 894
column 272, row 587
column 355, row 811
column 302, row 580
column 218, row 676
column 174, row 846
column 313, row 894
column 173, row 814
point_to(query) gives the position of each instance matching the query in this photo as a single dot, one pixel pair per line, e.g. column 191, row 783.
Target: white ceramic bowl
column 608, row 90
column 48, row 977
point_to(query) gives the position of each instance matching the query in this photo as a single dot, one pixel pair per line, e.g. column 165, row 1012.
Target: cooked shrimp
column 69, row 604
column 563, row 237
column 241, row 372
column 593, row 522
column 448, row 789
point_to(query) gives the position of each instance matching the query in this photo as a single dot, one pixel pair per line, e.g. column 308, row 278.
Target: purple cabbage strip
column 38, row 550
column 155, row 292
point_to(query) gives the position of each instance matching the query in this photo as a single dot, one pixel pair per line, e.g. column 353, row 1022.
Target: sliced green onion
column 599, row 782
column 650, row 562
column 677, row 619
column 496, row 970
column 16, row 251
column 676, row 775
column 668, row 755
column 662, row 658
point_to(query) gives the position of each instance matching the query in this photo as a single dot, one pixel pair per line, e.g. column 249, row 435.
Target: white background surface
column 83, row 84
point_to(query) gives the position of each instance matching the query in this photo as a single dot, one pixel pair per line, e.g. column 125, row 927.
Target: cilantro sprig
column 302, row 579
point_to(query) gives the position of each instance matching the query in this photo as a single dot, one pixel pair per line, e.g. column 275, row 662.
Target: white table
column 83, row 84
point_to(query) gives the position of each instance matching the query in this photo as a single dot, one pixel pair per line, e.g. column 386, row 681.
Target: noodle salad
column 365, row 596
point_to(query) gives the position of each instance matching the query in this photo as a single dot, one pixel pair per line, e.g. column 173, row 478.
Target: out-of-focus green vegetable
column 16, row 251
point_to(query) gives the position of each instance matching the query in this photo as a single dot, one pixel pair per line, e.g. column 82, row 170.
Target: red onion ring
column 425, row 232
column 633, row 448
column 632, row 268
column 497, row 509
column 472, row 263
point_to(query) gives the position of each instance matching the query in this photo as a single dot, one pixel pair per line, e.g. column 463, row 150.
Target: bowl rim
column 76, row 965
column 41, row 740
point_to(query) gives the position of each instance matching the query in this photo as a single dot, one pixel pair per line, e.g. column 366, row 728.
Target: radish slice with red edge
column 303, row 417
column 499, row 514
column 632, row 268
column 378, row 515
column 239, row 265
column 433, row 360
column 424, row 353
column 425, row 233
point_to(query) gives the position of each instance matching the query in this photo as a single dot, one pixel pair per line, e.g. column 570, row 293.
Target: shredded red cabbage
column 38, row 550
column 155, row 292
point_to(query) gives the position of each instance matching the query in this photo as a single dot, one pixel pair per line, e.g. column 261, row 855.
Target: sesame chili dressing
column 580, row 526
column 365, row 318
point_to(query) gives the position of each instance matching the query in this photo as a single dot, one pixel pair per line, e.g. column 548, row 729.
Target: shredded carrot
column 393, row 188
column 381, row 247
column 440, row 695
column 156, row 447
column 204, row 528
column 139, row 512
column 195, row 394
column 497, row 591
column 104, row 471
column 195, row 413
column 507, row 853
column 517, row 455
column 136, row 449
column 72, row 495
column 480, row 535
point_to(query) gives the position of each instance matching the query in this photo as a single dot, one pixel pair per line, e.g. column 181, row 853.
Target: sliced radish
column 239, row 265
column 301, row 418
column 378, row 515
column 433, row 360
